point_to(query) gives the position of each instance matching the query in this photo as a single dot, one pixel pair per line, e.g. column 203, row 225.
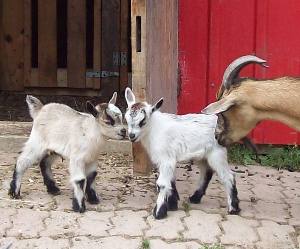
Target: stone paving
column 270, row 216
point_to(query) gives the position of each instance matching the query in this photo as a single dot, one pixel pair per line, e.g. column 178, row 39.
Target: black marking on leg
column 76, row 206
column 12, row 189
column 162, row 212
column 91, row 194
column 234, row 200
column 173, row 198
column 197, row 196
column 50, row 184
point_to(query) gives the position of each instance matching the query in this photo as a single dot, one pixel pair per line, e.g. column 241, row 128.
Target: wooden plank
column 12, row 45
column 47, row 46
column 1, row 44
column 124, row 29
column 76, row 43
column 27, row 43
column 62, row 77
column 97, row 41
column 141, row 162
column 110, row 44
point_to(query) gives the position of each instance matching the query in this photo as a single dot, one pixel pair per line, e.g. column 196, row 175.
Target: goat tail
column 34, row 105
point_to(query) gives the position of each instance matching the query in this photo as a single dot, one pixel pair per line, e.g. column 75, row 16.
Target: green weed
column 145, row 244
column 214, row 246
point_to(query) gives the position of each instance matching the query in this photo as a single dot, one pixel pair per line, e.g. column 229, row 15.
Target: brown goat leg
column 251, row 146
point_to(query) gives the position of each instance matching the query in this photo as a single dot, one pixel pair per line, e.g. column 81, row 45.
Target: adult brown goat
column 244, row 102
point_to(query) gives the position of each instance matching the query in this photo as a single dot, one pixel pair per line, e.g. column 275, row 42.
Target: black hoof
column 162, row 212
column 196, row 197
column 53, row 190
column 12, row 190
column 235, row 211
column 92, row 197
column 77, row 208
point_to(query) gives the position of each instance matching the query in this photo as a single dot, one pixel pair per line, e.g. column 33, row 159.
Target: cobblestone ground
column 270, row 217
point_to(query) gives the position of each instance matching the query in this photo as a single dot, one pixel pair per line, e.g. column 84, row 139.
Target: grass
column 284, row 157
column 214, row 246
column 145, row 244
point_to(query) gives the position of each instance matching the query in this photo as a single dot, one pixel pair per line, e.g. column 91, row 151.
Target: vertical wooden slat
column 141, row 162
column 27, row 43
column 1, row 43
column 12, row 45
column 47, row 47
column 124, row 42
column 76, row 43
column 110, row 44
column 97, row 41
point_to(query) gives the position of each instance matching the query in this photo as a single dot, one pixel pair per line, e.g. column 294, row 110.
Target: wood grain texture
column 76, row 43
column 47, row 46
column 12, row 45
column 97, row 41
column 27, row 43
column 110, row 44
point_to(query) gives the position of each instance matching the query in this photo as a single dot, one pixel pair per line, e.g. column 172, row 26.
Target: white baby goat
column 58, row 130
column 169, row 139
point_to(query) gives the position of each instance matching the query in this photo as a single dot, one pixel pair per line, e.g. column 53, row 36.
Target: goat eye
column 110, row 121
column 142, row 123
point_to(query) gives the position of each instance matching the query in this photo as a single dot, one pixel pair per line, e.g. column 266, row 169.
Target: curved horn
column 234, row 68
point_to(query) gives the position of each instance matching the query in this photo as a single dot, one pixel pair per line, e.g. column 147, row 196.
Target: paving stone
column 5, row 219
column 138, row 200
column 208, row 204
column 27, row 223
column 239, row 231
column 295, row 213
column 95, row 223
column 129, row 223
column 202, row 226
column 61, row 224
column 247, row 209
column 159, row 244
column 168, row 228
column 115, row 242
column 41, row 243
column 63, row 201
column 275, row 236
column 268, row 193
column 272, row 211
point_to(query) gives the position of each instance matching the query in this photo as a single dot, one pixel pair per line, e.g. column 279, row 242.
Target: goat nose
column 131, row 136
column 123, row 132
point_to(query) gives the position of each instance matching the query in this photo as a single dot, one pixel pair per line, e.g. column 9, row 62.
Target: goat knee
column 78, row 199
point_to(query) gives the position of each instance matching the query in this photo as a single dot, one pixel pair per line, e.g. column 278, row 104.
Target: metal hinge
column 120, row 58
column 101, row 74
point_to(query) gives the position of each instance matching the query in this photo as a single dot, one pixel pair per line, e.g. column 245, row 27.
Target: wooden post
column 154, row 33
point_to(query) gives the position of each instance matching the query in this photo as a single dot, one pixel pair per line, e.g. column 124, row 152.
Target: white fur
column 170, row 138
column 73, row 135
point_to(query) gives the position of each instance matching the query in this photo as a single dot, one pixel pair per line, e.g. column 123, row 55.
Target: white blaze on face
column 114, row 112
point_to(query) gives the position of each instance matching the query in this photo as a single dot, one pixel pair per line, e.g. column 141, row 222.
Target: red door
column 213, row 33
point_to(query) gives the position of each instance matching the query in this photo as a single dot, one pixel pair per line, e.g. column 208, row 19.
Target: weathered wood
column 110, row 44
column 97, row 41
column 12, row 45
column 47, row 48
column 27, row 43
column 141, row 163
column 124, row 29
column 62, row 77
column 76, row 43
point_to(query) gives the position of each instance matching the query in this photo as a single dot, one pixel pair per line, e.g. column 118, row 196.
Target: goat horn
column 232, row 71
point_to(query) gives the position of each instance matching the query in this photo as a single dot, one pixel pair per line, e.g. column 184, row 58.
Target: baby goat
column 170, row 138
column 60, row 130
column 243, row 102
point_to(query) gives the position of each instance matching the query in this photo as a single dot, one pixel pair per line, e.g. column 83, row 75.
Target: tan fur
column 255, row 100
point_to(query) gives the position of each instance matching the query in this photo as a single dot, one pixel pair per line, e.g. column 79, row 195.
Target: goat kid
column 170, row 138
column 58, row 130
column 244, row 102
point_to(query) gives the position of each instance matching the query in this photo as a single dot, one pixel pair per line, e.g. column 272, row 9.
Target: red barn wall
column 214, row 33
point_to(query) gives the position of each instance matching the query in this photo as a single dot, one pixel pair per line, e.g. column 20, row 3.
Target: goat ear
column 129, row 96
column 157, row 105
column 113, row 99
column 219, row 106
column 91, row 109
